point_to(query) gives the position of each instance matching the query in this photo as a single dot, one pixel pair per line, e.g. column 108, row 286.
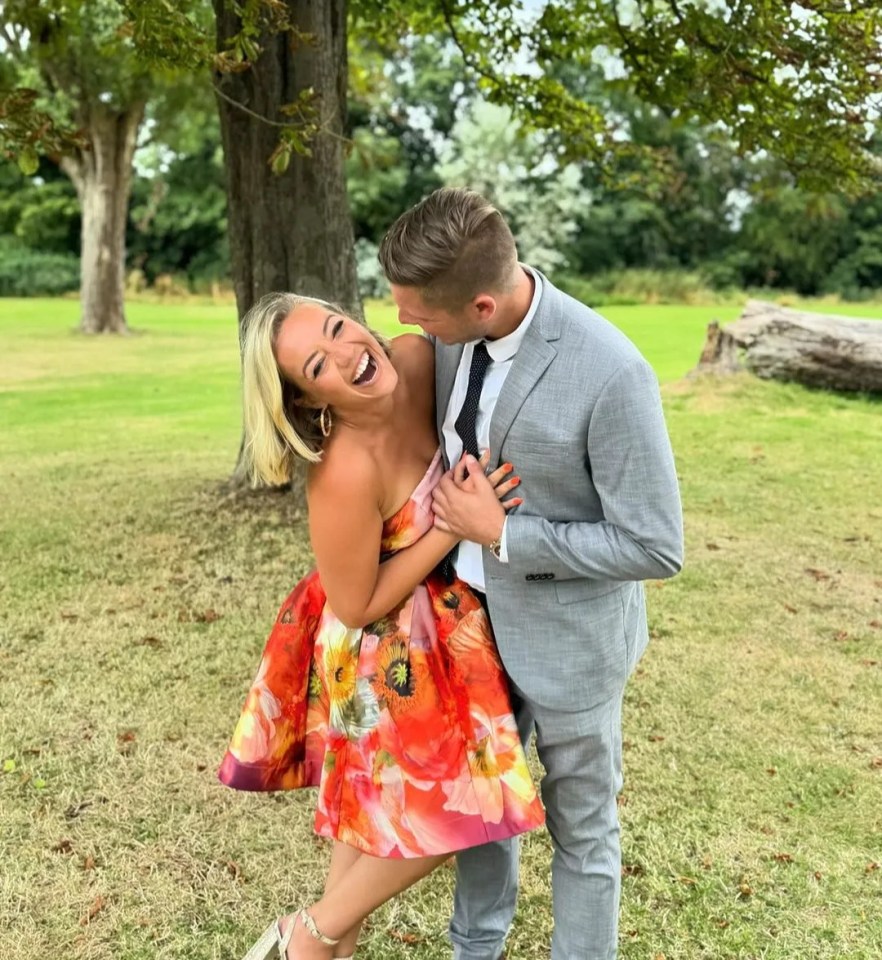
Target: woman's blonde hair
column 280, row 425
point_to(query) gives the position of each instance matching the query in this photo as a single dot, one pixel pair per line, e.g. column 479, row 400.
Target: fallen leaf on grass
column 655, row 738
column 722, row 924
column 840, row 635
column 871, row 867
column 876, row 763
column 207, row 616
column 790, row 609
column 73, row 617
column 632, row 870
column 403, row 937
column 712, row 546
column 96, row 906
column 771, row 771
column 869, row 663
column 688, row 881
column 153, row 642
column 63, row 846
column 88, row 862
column 783, row 858
column 817, row 574
column 745, row 890
column 818, row 875
column 77, row 809
column 877, row 624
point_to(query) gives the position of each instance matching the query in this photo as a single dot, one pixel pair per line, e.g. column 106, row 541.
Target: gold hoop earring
column 326, row 426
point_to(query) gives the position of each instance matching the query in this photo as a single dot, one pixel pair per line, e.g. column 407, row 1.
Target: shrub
column 32, row 273
column 625, row 287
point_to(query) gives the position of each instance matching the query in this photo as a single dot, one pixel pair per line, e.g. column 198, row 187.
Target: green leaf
column 9, row 766
column 28, row 161
column 281, row 158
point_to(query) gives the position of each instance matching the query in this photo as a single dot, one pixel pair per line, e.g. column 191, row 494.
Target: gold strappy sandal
column 273, row 943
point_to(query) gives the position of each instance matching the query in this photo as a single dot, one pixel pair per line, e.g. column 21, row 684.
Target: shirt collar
column 506, row 347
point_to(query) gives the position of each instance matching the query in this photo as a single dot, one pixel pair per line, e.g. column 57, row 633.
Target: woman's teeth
column 366, row 370
column 362, row 366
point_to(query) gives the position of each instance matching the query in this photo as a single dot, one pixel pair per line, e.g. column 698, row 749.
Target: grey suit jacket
column 580, row 418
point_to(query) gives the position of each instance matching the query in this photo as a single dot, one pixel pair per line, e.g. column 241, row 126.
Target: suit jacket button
column 531, row 576
column 550, row 576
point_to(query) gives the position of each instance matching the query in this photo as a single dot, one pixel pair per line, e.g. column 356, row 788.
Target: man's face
column 460, row 326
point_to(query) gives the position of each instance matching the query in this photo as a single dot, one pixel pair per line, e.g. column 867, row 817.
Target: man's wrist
column 496, row 544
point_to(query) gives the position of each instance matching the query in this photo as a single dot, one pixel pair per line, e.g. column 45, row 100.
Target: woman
column 380, row 683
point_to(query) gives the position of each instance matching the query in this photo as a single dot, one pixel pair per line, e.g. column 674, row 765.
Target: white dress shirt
column 469, row 563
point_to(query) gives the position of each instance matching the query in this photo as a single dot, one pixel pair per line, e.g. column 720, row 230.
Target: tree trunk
column 817, row 350
column 102, row 176
column 289, row 231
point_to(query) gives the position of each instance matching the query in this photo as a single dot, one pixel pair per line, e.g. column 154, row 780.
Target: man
column 546, row 383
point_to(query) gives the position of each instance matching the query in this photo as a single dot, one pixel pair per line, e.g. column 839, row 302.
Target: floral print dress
column 405, row 725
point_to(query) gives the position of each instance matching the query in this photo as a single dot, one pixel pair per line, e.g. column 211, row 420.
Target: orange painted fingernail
column 507, row 467
column 515, row 480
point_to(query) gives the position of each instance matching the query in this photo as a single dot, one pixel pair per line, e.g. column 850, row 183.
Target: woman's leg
column 343, row 857
column 367, row 884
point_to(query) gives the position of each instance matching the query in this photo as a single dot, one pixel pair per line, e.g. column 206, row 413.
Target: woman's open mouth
column 365, row 371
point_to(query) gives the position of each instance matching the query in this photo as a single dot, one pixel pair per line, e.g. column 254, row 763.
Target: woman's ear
column 301, row 400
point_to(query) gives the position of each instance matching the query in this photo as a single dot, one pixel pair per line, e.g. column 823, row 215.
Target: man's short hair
column 452, row 246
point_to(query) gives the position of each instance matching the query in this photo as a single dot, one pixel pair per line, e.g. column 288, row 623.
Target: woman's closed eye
column 335, row 332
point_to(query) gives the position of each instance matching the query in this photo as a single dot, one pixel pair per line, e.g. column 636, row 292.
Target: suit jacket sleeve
column 632, row 468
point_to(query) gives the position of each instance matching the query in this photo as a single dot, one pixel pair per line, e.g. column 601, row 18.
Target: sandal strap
column 314, row 931
column 284, row 939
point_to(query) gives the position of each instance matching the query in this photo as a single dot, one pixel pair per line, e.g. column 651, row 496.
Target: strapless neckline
column 418, row 491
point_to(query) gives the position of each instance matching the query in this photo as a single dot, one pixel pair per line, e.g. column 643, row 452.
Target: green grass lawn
column 135, row 597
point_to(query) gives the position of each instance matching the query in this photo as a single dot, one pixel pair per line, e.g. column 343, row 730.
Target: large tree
column 83, row 74
column 800, row 82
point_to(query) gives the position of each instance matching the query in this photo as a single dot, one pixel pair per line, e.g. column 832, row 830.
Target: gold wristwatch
column 495, row 546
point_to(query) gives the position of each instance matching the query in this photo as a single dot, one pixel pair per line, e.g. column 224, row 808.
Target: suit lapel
column 531, row 361
column 446, row 364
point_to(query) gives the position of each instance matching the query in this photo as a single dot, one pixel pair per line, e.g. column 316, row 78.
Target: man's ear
column 485, row 306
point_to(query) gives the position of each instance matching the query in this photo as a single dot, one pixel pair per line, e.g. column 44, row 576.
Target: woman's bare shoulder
column 414, row 358
column 346, row 469
column 413, row 348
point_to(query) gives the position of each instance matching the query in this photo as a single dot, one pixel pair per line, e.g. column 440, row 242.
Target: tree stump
column 817, row 350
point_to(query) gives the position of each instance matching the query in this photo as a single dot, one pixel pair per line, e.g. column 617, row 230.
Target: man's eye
column 338, row 326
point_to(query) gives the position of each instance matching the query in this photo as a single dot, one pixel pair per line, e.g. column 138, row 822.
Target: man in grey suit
column 544, row 382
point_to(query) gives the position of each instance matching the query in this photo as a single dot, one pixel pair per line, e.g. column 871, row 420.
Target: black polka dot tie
column 466, row 422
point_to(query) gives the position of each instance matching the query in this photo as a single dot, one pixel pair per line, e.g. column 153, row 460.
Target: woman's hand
column 467, row 503
column 503, row 480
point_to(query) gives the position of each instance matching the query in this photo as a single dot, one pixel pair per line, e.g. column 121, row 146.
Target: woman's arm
column 346, row 527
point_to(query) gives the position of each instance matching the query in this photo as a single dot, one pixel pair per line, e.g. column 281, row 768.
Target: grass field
column 135, row 597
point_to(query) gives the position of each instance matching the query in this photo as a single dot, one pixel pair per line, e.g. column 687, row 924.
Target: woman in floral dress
column 380, row 683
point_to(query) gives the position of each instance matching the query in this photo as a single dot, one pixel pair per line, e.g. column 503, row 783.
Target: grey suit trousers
column 582, row 756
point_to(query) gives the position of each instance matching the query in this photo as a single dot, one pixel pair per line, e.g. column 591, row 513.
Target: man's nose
column 403, row 318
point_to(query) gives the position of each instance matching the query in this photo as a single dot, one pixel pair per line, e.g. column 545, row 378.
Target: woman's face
column 334, row 360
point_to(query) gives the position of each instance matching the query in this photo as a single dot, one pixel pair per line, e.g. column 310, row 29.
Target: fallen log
column 777, row 343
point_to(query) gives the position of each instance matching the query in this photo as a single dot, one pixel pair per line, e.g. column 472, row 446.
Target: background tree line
column 415, row 125
column 657, row 150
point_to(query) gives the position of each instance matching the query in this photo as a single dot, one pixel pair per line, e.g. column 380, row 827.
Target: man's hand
column 467, row 503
